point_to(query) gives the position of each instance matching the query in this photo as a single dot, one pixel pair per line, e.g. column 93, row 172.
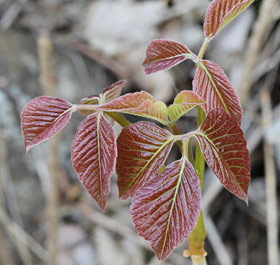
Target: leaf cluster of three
column 166, row 200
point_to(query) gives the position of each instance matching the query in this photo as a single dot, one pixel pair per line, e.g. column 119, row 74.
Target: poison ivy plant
column 166, row 199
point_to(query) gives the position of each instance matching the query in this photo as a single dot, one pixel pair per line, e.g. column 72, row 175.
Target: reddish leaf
column 94, row 155
column 163, row 54
column 212, row 85
column 110, row 93
column 184, row 101
column 113, row 91
column 141, row 104
column 142, row 149
column 166, row 209
column 43, row 117
column 220, row 13
column 224, row 147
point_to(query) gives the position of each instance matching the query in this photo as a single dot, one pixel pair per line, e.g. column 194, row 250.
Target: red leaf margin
column 163, row 54
column 166, row 209
column 94, row 153
column 43, row 117
column 213, row 86
column 220, row 13
column 142, row 150
column 224, row 148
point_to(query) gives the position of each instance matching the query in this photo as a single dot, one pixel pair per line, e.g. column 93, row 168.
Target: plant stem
column 176, row 131
column 198, row 235
column 199, row 158
column 120, row 119
column 203, row 48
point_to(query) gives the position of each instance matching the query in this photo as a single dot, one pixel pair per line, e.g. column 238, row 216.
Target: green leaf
column 184, row 101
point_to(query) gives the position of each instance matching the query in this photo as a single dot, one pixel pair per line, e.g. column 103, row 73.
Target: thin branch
column 260, row 31
column 47, row 80
column 25, row 239
column 270, row 178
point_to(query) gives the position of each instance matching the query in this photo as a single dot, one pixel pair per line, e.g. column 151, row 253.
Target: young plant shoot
column 166, row 199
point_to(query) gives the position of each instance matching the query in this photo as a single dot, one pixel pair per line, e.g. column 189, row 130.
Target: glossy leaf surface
column 224, row 147
column 113, row 91
column 184, row 101
column 142, row 149
column 94, row 155
column 43, row 117
column 163, row 54
column 141, row 104
column 165, row 210
column 220, row 13
column 212, row 85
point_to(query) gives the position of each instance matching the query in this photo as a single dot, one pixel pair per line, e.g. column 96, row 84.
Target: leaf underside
column 94, row 153
column 139, row 103
column 220, row 13
column 142, row 150
column 163, row 54
column 166, row 209
column 42, row 118
column 223, row 145
column 184, row 101
column 213, row 86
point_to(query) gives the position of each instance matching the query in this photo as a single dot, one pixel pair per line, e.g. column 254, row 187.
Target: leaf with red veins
column 42, row 118
column 139, row 103
column 166, row 209
column 113, row 91
column 213, row 86
column 94, row 153
column 164, row 54
column 220, row 13
column 224, row 148
column 142, row 150
column 184, row 101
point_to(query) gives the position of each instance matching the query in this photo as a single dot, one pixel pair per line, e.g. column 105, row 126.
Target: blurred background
column 74, row 49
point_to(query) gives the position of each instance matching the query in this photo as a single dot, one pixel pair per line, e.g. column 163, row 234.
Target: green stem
column 199, row 158
column 120, row 119
column 176, row 131
column 203, row 48
column 198, row 235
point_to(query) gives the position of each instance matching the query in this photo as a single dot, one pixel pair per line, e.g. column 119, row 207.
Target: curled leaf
column 184, row 101
column 163, row 54
column 166, row 209
column 43, row 117
column 142, row 150
column 213, row 86
column 224, row 148
column 94, row 153
column 139, row 103
column 220, row 13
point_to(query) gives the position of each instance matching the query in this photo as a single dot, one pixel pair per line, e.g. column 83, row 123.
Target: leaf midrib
column 214, row 85
column 183, row 161
column 149, row 161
